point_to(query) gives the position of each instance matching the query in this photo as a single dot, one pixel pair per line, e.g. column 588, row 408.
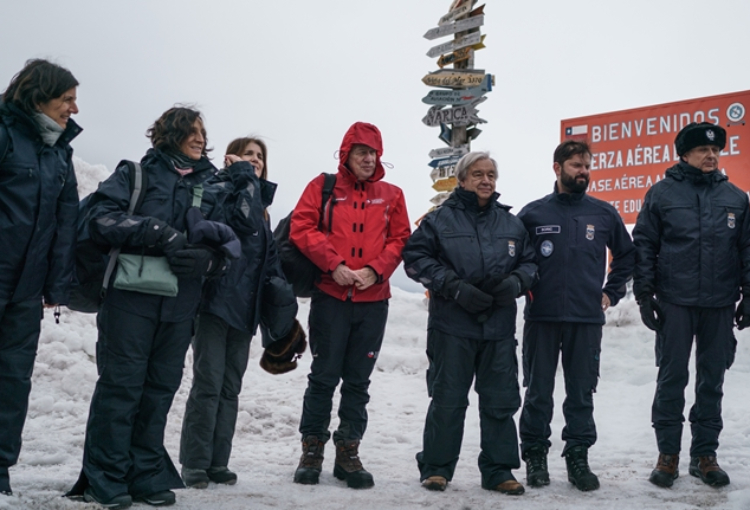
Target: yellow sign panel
column 445, row 184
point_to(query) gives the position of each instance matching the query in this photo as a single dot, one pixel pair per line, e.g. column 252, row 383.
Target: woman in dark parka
column 231, row 310
column 143, row 337
column 38, row 214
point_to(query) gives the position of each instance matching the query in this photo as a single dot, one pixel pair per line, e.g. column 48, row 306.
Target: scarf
column 181, row 161
column 49, row 130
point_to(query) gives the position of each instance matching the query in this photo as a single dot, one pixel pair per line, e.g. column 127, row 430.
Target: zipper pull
column 57, row 314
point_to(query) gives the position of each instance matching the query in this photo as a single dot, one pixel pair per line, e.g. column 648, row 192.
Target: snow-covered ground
column 267, row 448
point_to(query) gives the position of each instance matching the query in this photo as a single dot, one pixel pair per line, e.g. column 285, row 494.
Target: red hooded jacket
column 369, row 225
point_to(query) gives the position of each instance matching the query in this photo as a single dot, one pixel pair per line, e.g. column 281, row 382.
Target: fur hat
column 696, row 134
column 281, row 356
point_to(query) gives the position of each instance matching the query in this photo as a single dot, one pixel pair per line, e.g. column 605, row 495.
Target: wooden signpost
column 455, row 110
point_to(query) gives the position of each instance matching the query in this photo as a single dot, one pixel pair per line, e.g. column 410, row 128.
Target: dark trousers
column 454, row 363
column 220, row 355
column 345, row 340
column 580, row 345
column 140, row 363
column 715, row 346
column 19, row 338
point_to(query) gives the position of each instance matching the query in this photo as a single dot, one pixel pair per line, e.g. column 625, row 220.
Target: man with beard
column 570, row 232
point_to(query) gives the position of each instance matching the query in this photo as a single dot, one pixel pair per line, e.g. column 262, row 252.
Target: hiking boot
column 221, row 474
column 579, row 473
column 708, row 470
column 116, row 503
column 510, row 487
column 194, row 478
column 537, row 474
column 665, row 472
column 311, row 461
column 348, row 466
column 5, row 482
column 161, row 498
column 435, row 483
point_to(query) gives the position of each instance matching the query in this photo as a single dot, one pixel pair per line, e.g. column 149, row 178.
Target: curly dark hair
column 238, row 146
column 173, row 128
column 39, row 82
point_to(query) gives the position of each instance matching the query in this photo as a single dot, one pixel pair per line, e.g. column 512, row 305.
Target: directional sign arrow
column 446, row 134
column 459, row 97
column 456, row 13
column 445, row 184
column 451, row 160
column 458, row 26
column 443, row 172
column 461, row 42
column 462, row 115
column 473, row 133
column 452, row 79
column 446, row 152
column 440, row 198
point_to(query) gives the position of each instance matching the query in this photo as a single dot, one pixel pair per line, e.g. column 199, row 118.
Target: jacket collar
column 28, row 126
column 682, row 171
column 568, row 198
column 468, row 200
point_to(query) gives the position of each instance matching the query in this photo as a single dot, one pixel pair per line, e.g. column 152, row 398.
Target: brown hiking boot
column 666, row 470
column 511, row 487
column 348, row 466
column 435, row 483
column 311, row 461
column 708, row 470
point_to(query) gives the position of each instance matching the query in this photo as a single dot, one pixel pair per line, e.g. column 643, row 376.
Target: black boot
column 221, row 474
column 537, row 474
column 5, row 482
column 708, row 470
column 311, row 461
column 194, row 478
column 579, row 473
column 348, row 466
column 666, row 470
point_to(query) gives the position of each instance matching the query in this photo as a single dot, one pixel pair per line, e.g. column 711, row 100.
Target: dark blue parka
column 570, row 233
column 236, row 297
column 168, row 197
column 38, row 210
column 475, row 243
column 693, row 240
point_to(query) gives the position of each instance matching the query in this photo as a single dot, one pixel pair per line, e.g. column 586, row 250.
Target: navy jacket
column 168, row 198
column 236, row 297
column 693, row 240
column 570, row 233
column 474, row 243
column 38, row 211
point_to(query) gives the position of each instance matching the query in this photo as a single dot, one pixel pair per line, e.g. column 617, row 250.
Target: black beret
column 696, row 134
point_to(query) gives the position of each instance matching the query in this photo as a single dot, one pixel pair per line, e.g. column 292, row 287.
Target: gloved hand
column 466, row 295
column 651, row 313
column 163, row 236
column 742, row 316
column 196, row 262
column 505, row 291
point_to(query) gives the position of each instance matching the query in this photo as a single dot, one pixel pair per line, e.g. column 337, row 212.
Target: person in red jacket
column 364, row 230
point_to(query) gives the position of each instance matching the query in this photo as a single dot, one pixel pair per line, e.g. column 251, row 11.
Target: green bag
column 141, row 273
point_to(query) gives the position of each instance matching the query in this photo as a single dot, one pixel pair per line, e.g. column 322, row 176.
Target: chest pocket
column 729, row 219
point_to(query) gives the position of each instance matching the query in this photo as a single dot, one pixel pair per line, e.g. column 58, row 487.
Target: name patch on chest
column 548, row 229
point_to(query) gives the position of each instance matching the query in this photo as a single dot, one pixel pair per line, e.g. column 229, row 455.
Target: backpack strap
column 329, row 183
column 4, row 141
column 197, row 195
column 138, row 183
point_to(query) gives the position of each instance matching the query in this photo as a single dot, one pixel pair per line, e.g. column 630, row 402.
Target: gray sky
column 299, row 72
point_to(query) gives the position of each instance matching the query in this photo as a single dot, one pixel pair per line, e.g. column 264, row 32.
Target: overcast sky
column 299, row 72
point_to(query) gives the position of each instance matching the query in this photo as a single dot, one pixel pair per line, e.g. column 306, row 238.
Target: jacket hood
column 364, row 134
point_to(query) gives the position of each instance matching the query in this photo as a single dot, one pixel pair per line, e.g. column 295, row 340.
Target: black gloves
column 163, row 236
column 742, row 316
column 196, row 262
column 468, row 296
column 651, row 313
column 504, row 290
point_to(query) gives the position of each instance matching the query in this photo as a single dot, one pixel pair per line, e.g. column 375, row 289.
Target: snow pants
column 140, row 362
column 220, row 355
column 715, row 347
column 345, row 340
column 580, row 344
column 455, row 363
column 19, row 337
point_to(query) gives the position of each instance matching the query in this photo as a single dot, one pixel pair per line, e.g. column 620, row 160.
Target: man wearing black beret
column 692, row 239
